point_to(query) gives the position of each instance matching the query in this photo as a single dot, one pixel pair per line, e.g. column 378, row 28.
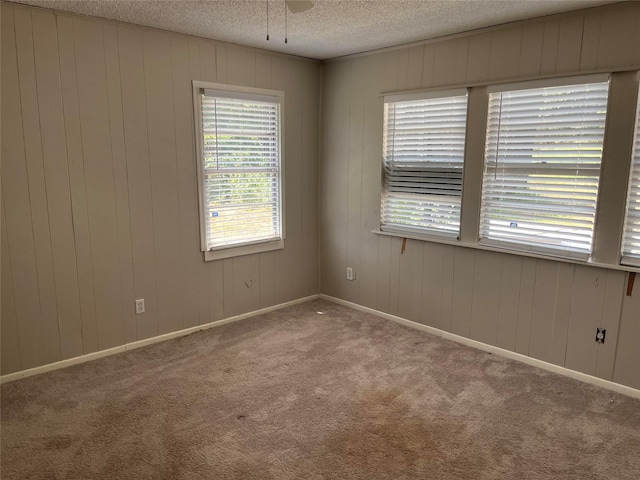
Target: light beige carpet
column 295, row 394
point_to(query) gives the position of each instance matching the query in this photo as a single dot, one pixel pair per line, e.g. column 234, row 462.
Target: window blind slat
column 423, row 160
column 542, row 167
column 631, row 236
column 241, row 188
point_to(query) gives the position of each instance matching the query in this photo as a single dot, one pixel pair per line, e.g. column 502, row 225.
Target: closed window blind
column 542, row 168
column 423, row 162
column 631, row 239
column 241, row 168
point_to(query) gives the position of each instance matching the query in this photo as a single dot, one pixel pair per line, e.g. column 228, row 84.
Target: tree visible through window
column 240, row 168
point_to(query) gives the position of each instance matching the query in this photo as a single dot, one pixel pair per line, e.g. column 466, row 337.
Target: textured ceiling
column 332, row 28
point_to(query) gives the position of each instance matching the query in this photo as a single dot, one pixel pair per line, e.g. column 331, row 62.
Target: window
column 631, row 238
column 542, row 166
column 240, row 169
column 423, row 158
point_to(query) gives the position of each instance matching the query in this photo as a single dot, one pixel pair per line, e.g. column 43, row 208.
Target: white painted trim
column 148, row 341
column 583, row 377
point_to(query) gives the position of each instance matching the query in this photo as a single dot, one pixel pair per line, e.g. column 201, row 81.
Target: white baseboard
column 583, row 377
column 147, row 341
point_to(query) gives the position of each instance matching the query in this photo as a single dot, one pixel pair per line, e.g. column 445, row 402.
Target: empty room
column 326, row 239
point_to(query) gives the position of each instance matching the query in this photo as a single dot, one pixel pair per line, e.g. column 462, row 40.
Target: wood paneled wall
column 544, row 309
column 99, row 186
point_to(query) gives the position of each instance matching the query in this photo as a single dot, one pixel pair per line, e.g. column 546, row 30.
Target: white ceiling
column 332, row 28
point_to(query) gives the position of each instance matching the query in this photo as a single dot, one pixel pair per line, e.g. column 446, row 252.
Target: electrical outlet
column 139, row 306
column 351, row 274
column 600, row 334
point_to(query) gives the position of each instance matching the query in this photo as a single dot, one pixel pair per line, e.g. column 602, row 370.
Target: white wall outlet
column 351, row 274
column 139, row 306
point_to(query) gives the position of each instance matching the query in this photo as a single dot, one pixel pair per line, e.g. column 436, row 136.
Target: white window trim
column 233, row 91
column 627, row 260
column 418, row 232
column 551, row 251
column 498, row 247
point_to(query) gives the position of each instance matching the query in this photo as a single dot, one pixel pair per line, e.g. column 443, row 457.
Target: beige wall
column 99, row 188
column 541, row 308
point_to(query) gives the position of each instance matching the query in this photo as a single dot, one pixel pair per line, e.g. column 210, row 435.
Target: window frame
column 626, row 259
column 558, row 251
column 416, row 231
column 237, row 92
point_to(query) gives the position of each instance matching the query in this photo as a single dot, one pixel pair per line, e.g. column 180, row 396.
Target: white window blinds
column 241, row 169
column 542, row 168
column 423, row 160
column 631, row 239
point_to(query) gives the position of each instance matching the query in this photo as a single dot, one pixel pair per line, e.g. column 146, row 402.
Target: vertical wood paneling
column 190, row 256
column 267, row 287
column 610, row 320
column 478, row 58
column 525, row 305
column 394, row 275
column 221, row 64
column 384, row 273
column 100, row 188
column 237, row 66
column 510, row 278
column 531, row 49
column 414, row 73
column 432, row 284
column 562, row 313
column 462, row 59
column 242, row 284
column 37, row 188
column 542, row 313
column 485, row 301
column 80, row 212
column 505, row 53
column 208, row 69
column 228, row 287
column 520, row 304
column 158, row 80
column 199, row 53
column 371, row 178
column 286, row 76
column 216, row 293
column 569, row 44
column 11, row 357
column 57, row 183
column 266, row 260
column 116, row 123
column 550, row 46
column 139, row 177
column 310, row 146
column 16, row 211
column 463, row 273
column 333, row 178
column 617, row 34
column 587, row 302
column 444, row 62
column 410, row 281
column 627, row 353
column 354, row 175
column 448, row 261
column 99, row 180
column 590, row 41
column 427, row 65
column 402, row 79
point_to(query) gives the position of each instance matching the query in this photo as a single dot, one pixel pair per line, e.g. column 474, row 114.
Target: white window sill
column 240, row 250
column 454, row 242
